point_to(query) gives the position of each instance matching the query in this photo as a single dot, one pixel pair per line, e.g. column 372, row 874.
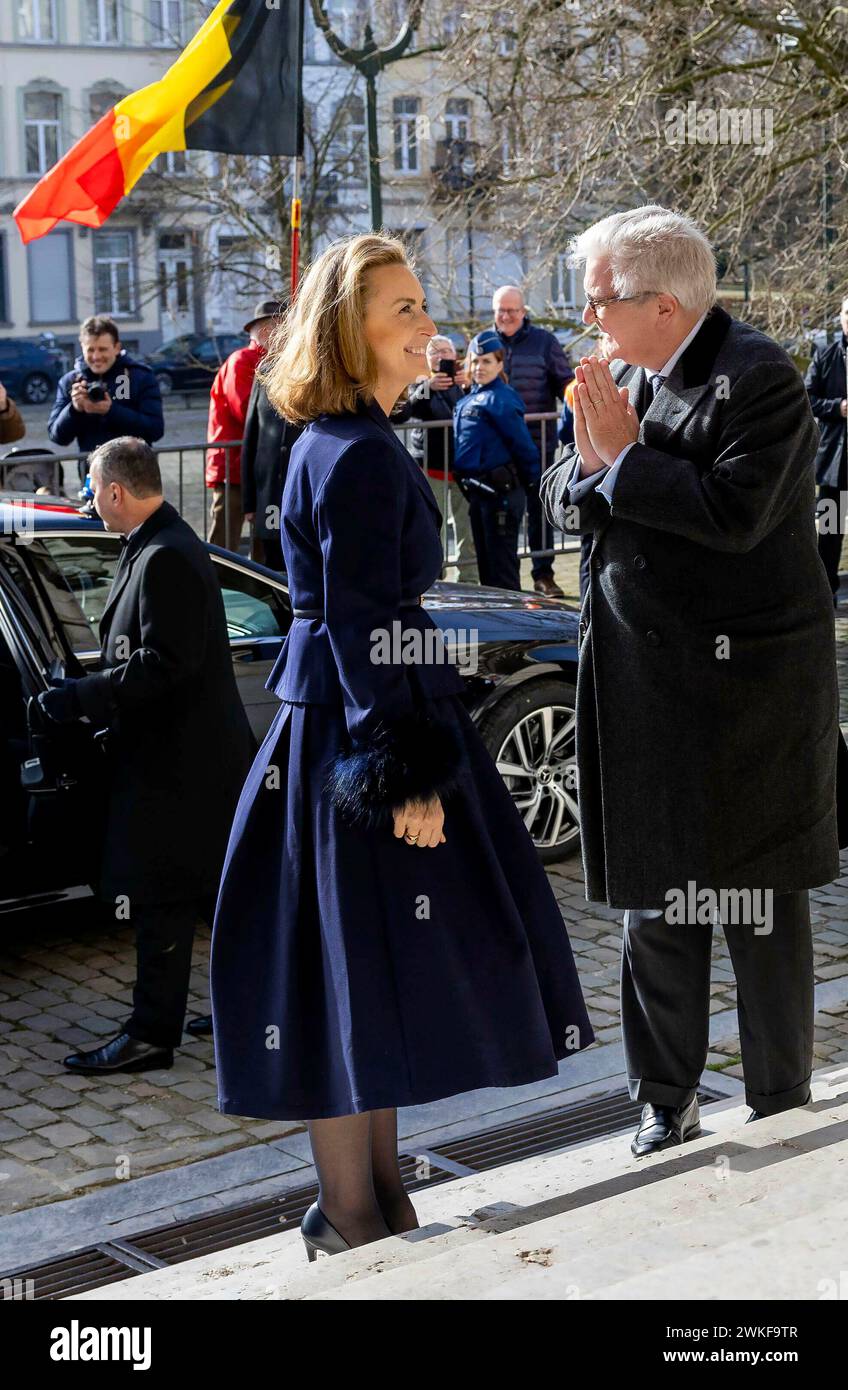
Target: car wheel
column 530, row 735
column 37, row 388
column 166, row 382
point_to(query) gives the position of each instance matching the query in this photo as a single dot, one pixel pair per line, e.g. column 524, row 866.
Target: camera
column 96, row 392
column 447, row 365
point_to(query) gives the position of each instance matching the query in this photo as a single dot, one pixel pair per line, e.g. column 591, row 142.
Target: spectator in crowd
column 12, row 426
column 495, row 461
column 228, row 404
column 434, row 398
column 268, row 439
column 107, row 394
column 538, row 370
column 826, row 388
column 178, row 747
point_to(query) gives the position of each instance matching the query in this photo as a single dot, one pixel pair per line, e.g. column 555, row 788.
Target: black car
column 56, row 570
column 189, row 363
column 29, row 371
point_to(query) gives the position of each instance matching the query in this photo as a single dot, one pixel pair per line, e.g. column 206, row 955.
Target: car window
column 206, row 351
column 77, row 573
column 252, row 606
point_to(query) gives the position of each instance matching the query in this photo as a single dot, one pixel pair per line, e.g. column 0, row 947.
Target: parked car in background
column 56, row 570
column 29, row 371
column 189, row 363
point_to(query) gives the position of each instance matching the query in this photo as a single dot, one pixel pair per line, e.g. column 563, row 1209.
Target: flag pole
column 295, row 225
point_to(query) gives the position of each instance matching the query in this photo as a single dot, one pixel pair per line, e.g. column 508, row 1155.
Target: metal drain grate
column 552, row 1129
column 178, row 1241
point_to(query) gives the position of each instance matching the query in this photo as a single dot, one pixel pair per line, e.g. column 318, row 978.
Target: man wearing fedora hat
column 228, row 402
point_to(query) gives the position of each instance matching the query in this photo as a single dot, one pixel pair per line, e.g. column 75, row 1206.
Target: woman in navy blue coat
column 495, row 459
column 351, row 972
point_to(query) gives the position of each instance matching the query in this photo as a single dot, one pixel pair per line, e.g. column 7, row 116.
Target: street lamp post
column 369, row 61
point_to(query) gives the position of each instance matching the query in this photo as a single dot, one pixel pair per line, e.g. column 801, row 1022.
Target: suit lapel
column 688, row 382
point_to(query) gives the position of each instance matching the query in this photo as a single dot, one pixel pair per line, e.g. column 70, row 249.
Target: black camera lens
column 96, row 392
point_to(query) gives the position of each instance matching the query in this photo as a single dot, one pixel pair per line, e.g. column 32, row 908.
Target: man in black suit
column 826, row 387
column 707, row 699
column 178, row 745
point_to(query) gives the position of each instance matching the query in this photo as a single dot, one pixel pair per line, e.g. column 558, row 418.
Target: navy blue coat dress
column 351, row 971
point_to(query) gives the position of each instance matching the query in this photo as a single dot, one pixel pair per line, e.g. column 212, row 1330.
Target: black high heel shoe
column 318, row 1234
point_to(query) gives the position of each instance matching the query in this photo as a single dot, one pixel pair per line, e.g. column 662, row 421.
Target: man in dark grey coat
column 179, row 746
column 707, row 703
column 826, row 387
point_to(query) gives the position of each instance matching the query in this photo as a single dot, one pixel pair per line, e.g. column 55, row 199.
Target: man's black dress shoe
column 200, row 1026
column 758, row 1114
column 661, row 1126
column 122, row 1053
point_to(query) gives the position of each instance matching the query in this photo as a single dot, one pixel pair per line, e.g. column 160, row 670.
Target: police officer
column 494, row 459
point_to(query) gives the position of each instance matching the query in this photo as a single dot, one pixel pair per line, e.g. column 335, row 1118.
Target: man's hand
column 80, row 401
column 423, row 820
column 61, row 703
column 843, row 406
column 441, row 382
column 610, row 420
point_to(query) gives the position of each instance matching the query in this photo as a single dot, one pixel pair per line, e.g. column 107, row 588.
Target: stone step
column 569, row 1224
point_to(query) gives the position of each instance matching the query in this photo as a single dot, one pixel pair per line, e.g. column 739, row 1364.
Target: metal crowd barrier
column 183, row 476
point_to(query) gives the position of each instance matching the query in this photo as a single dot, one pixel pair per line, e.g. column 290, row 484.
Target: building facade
column 169, row 261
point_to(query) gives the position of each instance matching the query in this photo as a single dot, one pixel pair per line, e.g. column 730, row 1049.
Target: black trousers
column 164, row 934
column 495, row 523
column 540, row 536
column 272, row 554
column 830, row 543
column 665, row 1001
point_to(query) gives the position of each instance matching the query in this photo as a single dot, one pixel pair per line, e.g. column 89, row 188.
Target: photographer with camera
column 107, row 395
column 495, row 459
column 435, row 397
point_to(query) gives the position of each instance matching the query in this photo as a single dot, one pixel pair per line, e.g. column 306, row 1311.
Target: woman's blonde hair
column 318, row 360
column 469, row 362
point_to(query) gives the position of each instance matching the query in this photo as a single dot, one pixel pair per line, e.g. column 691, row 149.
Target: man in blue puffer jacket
column 538, row 369
column 125, row 399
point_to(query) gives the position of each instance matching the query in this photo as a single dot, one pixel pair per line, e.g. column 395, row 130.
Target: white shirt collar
column 678, row 352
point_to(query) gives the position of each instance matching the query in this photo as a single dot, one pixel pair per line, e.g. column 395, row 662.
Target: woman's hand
column 422, row 820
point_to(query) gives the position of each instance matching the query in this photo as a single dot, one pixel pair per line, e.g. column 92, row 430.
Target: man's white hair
column 440, row 340
column 653, row 248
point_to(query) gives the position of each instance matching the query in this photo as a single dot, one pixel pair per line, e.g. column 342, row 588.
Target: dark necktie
column 656, row 382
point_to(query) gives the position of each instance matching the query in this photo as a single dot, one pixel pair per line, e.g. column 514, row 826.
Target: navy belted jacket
column 361, row 543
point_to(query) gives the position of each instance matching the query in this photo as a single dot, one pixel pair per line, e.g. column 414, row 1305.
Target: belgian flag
column 236, row 89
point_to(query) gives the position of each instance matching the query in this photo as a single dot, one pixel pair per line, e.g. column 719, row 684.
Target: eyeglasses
column 596, row 304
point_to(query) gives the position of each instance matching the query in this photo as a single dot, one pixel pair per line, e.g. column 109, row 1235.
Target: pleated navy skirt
column 351, row 971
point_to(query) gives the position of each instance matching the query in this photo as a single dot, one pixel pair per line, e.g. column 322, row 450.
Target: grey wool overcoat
column 707, row 705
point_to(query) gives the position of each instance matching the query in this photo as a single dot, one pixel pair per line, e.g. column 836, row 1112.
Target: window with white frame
column 167, row 23
column 458, row 119
column 509, row 145
column 348, row 19
column 171, row 162
column 114, row 273
column 451, row 20
column 101, row 99
column 42, row 130
column 566, row 292
column 37, row 20
column 102, row 21
column 406, row 111
column 507, row 40
column 50, row 274
column 349, row 139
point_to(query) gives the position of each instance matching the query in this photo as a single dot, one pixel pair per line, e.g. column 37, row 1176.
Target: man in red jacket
column 227, row 410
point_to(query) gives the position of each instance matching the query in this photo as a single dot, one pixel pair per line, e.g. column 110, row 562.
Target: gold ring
column 598, row 402
column 411, row 839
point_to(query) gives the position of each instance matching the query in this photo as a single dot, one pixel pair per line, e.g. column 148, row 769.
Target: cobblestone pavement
column 66, row 985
